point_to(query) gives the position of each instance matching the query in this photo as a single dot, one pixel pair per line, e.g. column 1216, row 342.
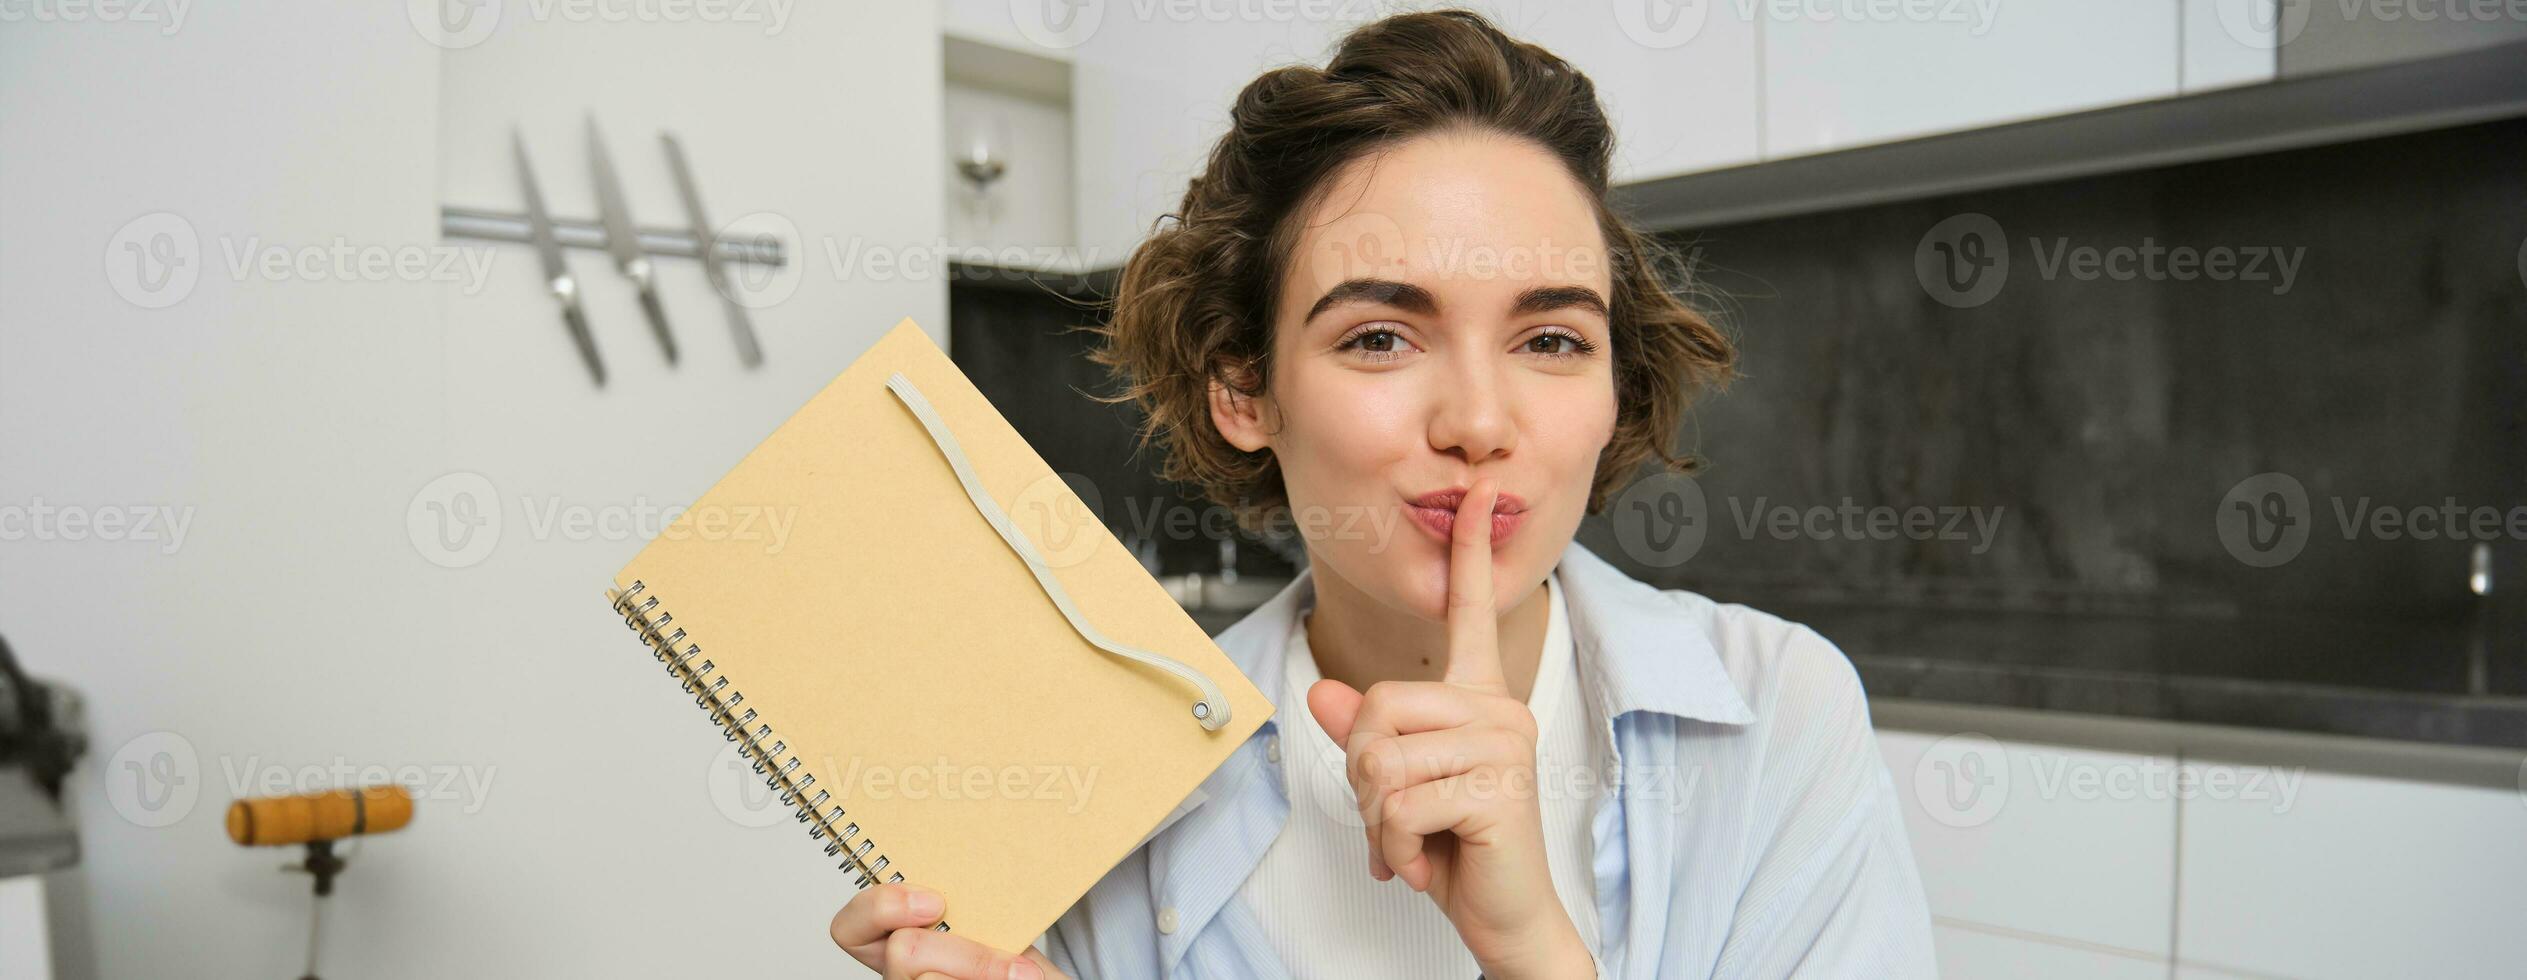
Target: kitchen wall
column 401, row 497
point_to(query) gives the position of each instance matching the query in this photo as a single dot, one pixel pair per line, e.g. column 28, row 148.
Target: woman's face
column 1442, row 318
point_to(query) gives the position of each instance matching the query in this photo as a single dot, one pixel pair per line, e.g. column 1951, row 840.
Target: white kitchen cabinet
column 2072, row 844
column 2357, row 876
column 1841, row 75
column 1677, row 77
column 1151, row 95
column 2229, row 43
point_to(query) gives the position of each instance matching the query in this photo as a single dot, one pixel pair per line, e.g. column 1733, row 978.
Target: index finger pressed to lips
column 1473, row 640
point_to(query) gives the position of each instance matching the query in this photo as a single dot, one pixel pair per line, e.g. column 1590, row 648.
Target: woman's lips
column 1436, row 512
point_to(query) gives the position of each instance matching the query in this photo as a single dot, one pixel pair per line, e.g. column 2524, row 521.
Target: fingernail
column 926, row 903
column 1021, row 969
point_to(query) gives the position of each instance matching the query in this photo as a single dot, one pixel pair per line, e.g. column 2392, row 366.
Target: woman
column 1396, row 311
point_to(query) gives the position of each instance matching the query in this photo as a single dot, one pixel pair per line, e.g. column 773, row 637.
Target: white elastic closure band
column 1211, row 711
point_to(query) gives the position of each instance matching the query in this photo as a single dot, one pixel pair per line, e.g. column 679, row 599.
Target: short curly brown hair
column 1195, row 302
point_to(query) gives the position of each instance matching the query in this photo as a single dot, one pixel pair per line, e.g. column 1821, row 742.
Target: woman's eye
column 1559, row 345
column 1377, row 342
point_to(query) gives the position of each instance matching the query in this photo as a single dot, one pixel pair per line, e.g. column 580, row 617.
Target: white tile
column 2353, row 876
column 28, row 954
column 1970, row 953
column 2041, row 839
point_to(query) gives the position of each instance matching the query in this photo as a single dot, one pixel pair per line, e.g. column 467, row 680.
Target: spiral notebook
column 948, row 667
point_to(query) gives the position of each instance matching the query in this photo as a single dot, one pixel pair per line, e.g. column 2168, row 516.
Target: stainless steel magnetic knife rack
column 511, row 226
column 628, row 244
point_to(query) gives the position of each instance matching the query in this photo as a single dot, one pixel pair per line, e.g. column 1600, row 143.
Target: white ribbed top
column 1312, row 893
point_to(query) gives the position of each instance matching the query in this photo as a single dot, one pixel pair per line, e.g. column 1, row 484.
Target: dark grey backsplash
column 2104, row 418
column 1025, row 345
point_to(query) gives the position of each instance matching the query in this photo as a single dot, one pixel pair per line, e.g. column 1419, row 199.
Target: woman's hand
column 1445, row 774
column 887, row 928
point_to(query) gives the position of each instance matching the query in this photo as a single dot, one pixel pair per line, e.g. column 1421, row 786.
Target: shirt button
column 1272, row 747
column 1167, row 920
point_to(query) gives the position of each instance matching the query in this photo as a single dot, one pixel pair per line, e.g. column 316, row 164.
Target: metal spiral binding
column 761, row 748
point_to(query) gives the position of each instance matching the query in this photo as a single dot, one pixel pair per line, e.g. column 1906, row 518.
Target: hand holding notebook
column 950, row 667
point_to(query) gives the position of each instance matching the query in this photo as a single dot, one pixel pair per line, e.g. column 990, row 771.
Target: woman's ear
column 1239, row 417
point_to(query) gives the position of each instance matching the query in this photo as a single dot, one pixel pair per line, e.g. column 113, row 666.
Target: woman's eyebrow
column 1546, row 298
column 1401, row 295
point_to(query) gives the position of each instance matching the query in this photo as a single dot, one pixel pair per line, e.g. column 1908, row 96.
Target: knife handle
column 577, row 321
column 658, row 322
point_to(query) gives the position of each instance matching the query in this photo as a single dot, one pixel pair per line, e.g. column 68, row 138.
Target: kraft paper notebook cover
column 897, row 670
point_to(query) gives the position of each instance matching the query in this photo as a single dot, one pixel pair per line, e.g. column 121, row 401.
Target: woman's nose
column 1472, row 416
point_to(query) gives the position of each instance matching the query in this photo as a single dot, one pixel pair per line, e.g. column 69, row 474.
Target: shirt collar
column 1640, row 648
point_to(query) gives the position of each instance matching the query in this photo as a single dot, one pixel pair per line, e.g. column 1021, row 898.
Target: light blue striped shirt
column 1752, row 830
